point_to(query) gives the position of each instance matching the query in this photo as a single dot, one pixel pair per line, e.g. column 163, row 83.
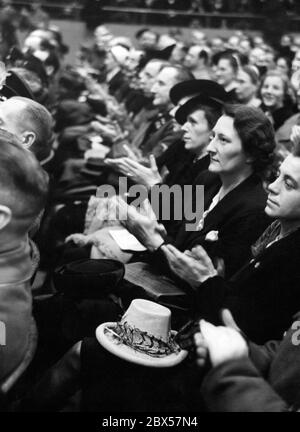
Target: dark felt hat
column 88, row 278
column 197, row 87
column 15, row 86
column 209, row 93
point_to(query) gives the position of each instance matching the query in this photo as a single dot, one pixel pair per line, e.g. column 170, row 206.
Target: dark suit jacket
column 181, row 164
column 183, row 170
column 135, row 100
column 239, row 219
column 280, row 115
column 159, row 132
column 263, row 296
column 268, row 381
column 116, row 82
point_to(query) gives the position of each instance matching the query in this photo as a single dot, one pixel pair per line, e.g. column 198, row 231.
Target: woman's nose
column 184, row 127
column 211, row 146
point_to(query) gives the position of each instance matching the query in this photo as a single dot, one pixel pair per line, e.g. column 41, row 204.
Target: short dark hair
column 23, row 182
column 202, row 54
column 233, row 60
column 40, row 121
column 212, row 113
column 143, row 30
column 257, row 135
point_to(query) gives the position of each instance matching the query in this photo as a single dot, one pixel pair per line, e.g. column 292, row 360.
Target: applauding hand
column 222, row 343
column 193, row 266
column 142, row 224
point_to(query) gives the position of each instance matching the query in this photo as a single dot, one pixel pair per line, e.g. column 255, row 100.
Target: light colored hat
column 143, row 336
column 120, row 53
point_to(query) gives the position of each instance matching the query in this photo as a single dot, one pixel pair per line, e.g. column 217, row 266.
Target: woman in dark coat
column 264, row 294
column 234, row 198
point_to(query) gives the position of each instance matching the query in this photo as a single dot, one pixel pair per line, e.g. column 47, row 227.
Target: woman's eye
column 288, row 185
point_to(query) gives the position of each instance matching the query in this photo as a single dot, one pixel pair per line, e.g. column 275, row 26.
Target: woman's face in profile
column 226, row 151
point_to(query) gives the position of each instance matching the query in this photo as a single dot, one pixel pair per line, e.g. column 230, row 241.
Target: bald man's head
column 30, row 121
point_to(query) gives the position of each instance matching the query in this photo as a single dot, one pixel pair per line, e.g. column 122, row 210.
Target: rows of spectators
column 215, row 116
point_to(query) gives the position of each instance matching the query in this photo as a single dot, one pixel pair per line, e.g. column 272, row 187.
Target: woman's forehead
column 224, row 122
column 274, row 80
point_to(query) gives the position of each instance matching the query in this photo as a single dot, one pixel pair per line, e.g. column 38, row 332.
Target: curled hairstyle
column 257, row 135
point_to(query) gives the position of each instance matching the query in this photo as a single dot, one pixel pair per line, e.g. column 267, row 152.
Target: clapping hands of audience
column 193, row 266
column 137, row 172
column 142, row 224
column 109, row 130
column 219, row 344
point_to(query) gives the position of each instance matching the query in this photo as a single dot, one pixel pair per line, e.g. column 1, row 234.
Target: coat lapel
column 222, row 210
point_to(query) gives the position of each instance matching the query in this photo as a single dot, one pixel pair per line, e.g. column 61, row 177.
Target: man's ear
column 5, row 216
column 28, row 138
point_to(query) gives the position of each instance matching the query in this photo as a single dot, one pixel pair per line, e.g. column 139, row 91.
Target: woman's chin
column 270, row 212
column 213, row 168
column 269, row 104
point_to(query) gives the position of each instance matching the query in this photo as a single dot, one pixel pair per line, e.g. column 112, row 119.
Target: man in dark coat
column 249, row 378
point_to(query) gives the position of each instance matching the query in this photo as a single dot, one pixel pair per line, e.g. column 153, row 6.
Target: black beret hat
column 192, row 104
column 197, row 87
column 88, row 278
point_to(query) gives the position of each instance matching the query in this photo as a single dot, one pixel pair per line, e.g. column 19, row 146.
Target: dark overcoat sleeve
column 237, row 386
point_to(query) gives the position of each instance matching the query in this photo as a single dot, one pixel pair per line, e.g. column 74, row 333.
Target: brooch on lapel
column 212, row 236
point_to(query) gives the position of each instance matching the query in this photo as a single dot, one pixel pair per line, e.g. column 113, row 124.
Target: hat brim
column 16, row 86
column 191, row 105
column 110, row 343
column 195, row 87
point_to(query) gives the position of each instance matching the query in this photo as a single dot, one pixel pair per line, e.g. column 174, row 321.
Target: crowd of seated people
column 153, row 185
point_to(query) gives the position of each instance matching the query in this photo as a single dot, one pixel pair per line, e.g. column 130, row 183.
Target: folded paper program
column 125, row 240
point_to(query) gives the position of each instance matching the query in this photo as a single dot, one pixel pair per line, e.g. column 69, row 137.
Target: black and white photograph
column 149, row 210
